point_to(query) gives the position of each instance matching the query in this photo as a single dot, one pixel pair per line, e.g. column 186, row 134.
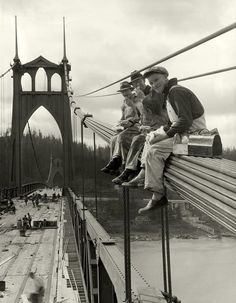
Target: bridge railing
column 12, row 192
column 103, row 262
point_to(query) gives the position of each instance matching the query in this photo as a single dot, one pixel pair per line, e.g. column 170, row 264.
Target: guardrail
column 93, row 240
column 12, row 192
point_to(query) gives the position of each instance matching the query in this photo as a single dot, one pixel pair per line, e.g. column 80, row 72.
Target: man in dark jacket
column 186, row 115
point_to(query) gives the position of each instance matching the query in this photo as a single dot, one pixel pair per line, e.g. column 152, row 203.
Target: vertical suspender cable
column 163, row 250
column 34, row 151
column 95, row 174
column 83, row 192
column 127, row 246
column 1, row 108
column 168, row 252
column 1, row 138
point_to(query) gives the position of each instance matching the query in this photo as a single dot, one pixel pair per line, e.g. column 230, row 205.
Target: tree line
column 37, row 164
column 36, row 152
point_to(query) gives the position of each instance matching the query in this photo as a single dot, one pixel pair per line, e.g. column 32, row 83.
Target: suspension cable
column 34, row 151
column 179, row 80
column 191, row 46
column 209, row 73
column 7, row 71
column 97, row 96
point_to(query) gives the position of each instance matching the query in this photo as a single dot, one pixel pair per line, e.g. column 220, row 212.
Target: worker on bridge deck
column 186, row 115
column 127, row 128
column 38, row 294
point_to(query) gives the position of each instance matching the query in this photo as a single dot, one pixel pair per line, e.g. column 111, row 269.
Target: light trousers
column 155, row 159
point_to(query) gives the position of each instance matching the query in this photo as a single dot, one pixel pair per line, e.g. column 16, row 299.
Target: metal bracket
column 83, row 119
column 75, row 110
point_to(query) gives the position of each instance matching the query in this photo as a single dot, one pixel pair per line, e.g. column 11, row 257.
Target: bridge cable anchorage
column 182, row 50
column 34, row 151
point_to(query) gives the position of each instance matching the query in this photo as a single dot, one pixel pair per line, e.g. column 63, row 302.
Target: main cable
column 7, row 71
column 97, row 96
column 191, row 46
column 223, row 70
column 209, row 73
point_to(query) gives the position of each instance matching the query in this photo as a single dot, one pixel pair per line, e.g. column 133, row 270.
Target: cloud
column 226, row 124
column 106, row 40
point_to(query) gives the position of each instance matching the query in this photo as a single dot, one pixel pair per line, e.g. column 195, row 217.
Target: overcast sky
column 106, row 40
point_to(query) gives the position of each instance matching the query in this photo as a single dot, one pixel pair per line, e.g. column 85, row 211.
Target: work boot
column 112, row 166
column 138, row 181
column 153, row 204
column 126, row 175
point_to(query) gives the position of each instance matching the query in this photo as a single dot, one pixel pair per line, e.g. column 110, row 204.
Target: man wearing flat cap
column 186, row 115
column 127, row 128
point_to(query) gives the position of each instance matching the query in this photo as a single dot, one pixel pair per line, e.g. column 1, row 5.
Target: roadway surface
column 35, row 252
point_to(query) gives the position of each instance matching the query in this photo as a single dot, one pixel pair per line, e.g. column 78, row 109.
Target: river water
column 203, row 270
column 203, row 254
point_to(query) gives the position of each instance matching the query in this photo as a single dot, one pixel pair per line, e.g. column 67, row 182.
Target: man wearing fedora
column 138, row 82
column 127, row 128
column 132, row 163
column 186, row 114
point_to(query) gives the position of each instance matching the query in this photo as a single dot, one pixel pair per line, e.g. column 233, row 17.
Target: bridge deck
column 40, row 250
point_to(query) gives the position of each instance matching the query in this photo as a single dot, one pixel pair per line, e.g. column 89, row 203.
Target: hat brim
column 123, row 89
column 138, row 78
column 149, row 73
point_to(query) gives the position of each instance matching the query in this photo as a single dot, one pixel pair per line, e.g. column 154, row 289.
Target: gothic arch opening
column 26, row 82
column 41, row 80
column 56, row 84
column 45, row 140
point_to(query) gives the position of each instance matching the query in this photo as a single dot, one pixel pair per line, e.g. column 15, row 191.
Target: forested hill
column 45, row 147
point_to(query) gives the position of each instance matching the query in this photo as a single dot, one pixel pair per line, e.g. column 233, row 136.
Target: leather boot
column 126, row 175
column 112, row 166
column 138, row 181
column 153, row 204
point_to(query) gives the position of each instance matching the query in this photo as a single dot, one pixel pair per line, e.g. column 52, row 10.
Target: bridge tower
column 25, row 103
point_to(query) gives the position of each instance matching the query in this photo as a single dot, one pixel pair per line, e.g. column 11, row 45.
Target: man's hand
column 118, row 128
column 145, row 129
column 156, row 136
column 125, row 123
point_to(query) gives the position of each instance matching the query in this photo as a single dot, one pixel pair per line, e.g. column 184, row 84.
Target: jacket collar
column 169, row 84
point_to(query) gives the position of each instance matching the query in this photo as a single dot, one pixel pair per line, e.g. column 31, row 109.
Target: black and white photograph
column 117, row 151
